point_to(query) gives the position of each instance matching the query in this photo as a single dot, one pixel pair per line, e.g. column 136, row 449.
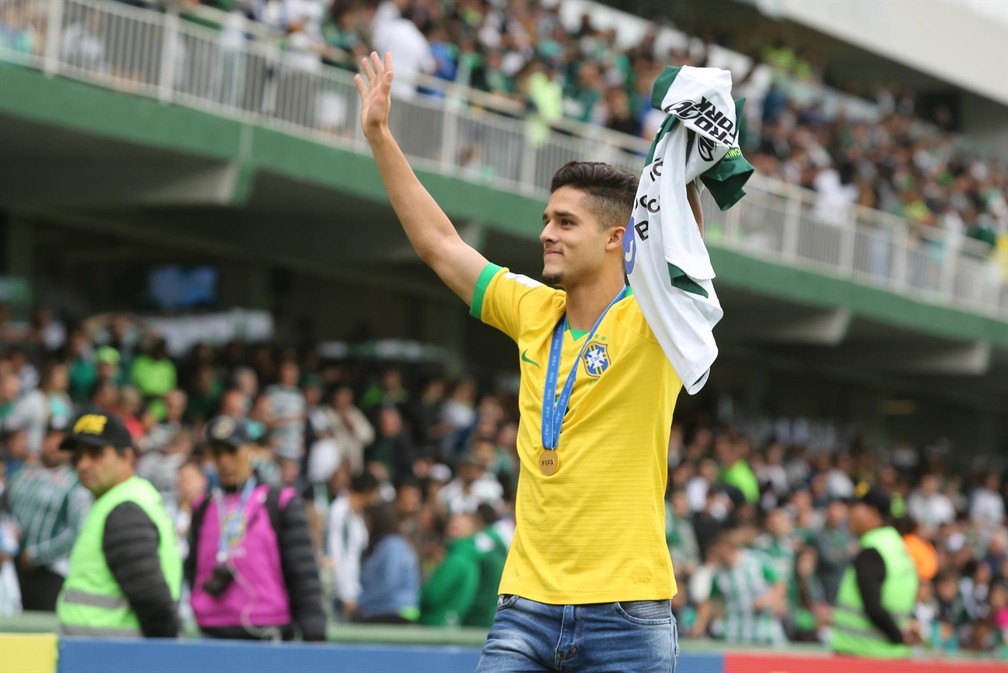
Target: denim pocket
column 646, row 612
column 504, row 601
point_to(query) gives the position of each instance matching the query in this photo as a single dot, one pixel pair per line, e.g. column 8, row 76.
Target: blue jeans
column 628, row 637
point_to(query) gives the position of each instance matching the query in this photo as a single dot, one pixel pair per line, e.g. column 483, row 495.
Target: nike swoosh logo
column 525, row 358
column 629, row 253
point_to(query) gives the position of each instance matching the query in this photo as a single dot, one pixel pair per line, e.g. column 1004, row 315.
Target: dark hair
column 610, row 190
column 486, row 513
column 48, row 367
column 381, row 522
column 99, row 385
column 364, row 483
column 408, row 481
column 904, row 525
column 724, row 536
column 192, row 461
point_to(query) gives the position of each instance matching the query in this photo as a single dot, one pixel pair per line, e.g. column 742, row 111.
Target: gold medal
column 549, row 463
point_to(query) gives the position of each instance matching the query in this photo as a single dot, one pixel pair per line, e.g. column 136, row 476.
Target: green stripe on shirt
column 482, row 283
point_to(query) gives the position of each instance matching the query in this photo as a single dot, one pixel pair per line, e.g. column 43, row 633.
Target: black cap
column 873, row 496
column 97, row 429
column 228, row 430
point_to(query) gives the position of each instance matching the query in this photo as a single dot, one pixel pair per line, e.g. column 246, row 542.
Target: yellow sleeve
column 501, row 298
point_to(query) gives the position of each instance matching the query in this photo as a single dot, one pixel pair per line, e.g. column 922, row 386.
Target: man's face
column 721, row 553
column 289, row 373
column 862, row 518
column 52, row 455
column 99, row 468
column 470, row 473
column 947, row 590
column 408, row 500
column 234, row 464
column 15, row 445
column 10, row 387
column 574, row 246
column 343, row 398
column 460, row 526
column 836, row 513
column 680, row 504
column 190, row 481
column 779, row 523
column 107, row 370
column 175, row 403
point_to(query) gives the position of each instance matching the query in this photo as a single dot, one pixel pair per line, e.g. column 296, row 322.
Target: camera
column 221, row 579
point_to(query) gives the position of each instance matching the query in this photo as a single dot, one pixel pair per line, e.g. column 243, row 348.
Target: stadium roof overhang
column 867, row 43
column 164, row 175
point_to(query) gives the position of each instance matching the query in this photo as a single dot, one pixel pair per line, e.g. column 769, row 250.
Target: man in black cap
column 251, row 566
column 879, row 590
column 125, row 571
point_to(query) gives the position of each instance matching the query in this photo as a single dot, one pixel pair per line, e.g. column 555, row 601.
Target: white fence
column 240, row 71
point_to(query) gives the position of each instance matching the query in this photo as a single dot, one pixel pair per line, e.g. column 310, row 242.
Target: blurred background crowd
column 386, row 451
column 391, row 452
column 877, row 148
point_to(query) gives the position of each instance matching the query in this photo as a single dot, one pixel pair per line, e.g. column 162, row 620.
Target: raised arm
column 429, row 230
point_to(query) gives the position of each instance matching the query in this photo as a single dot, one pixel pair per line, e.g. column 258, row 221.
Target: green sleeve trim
column 685, row 283
column 482, row 283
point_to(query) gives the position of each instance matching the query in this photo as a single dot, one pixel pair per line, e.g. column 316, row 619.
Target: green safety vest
column 91, row 602
column 853, row 632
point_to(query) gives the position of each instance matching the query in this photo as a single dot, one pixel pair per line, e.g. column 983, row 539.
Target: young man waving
column 588, row 581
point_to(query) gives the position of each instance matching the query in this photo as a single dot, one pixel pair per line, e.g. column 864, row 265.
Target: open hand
column 375, row 93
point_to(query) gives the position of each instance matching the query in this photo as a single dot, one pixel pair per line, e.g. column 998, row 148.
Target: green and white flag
column 666, row 260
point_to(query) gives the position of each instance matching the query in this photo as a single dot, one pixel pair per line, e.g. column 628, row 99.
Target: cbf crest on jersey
column 596, row 358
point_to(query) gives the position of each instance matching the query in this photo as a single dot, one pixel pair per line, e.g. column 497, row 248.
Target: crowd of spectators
column 756, row 524
column 409, row 484
column 878, row 153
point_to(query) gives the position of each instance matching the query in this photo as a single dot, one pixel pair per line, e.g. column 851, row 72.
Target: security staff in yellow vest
column 125, row 570
column 879, row 590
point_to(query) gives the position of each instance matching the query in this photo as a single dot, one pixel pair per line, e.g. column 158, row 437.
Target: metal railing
column 785, row 223
column 476, row 136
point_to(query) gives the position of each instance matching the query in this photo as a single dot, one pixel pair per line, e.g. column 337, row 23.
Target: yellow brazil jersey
column 593, row 532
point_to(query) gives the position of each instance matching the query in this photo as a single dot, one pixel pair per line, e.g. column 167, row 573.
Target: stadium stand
column 880, row 238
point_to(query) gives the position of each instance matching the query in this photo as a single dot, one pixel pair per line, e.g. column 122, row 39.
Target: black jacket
column 130, row 543
column 870, row 571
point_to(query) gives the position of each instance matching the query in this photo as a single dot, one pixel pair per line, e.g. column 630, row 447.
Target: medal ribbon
column 232, row 524
column 553, row 411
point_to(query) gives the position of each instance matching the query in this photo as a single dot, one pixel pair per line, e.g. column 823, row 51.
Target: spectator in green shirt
column 154, row 375
column 448, row 595
column 491, row 551
column 752, row 594
column 735, row 467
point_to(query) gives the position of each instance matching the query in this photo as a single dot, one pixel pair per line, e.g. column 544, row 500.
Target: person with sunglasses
column 251, row 565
